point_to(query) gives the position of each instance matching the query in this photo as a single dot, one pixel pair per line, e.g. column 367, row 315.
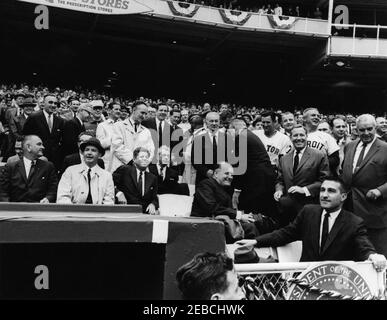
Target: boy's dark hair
column 204, row 275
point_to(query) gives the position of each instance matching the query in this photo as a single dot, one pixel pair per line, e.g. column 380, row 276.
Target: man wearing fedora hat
column 87, row 183
column 16, row 123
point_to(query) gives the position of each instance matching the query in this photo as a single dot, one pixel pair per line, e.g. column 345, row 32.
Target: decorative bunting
column 282, row 22
column 183, row 9
column 234, row 17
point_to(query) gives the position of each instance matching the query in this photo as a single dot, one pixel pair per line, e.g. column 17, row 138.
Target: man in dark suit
column 209, row 149
column 160, row 129
column 134, row 185
column 327, row 231
column 16, row 124
column 29, row 179
column 213, row 198
column 49, row 128
column 254, row 177
column 300, row 174
column 77, row 158
column 167, row 175
column 72, row 128
column 365, row 172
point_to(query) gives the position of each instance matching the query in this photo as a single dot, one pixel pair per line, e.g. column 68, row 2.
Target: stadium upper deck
column 197, row 61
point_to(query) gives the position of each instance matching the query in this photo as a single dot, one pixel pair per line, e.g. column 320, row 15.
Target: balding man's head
column 223, row 173
column 366, row 127
column 32, row 147
column 237, row 124
column 212, row 121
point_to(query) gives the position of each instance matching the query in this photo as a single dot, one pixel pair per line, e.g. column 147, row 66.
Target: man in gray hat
column 87, row 183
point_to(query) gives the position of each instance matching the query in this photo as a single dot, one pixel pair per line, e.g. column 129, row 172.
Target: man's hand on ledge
column 379, row 261
column 151, row 209
column 246, row 242
column 44, row 200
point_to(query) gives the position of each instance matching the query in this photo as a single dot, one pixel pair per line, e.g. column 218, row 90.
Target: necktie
column 214, row 149
column 89, row 199
column 139, row 183
column 361, row 156
column 160, row 134
column 32, row 169
column 50, row 122
column 135, row 127
column 296, row 161
column 325, row 231
column 162, row 172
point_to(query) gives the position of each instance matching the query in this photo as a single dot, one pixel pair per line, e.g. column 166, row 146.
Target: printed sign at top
column 96, row 6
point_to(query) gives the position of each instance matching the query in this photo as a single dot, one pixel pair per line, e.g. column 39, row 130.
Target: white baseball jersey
column 276, row 145
column 322, row 141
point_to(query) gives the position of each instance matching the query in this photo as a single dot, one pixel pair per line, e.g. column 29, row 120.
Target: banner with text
column 96, row 6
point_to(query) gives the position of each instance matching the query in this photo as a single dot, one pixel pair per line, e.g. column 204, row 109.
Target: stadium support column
column 329, row 31
column 330, row 16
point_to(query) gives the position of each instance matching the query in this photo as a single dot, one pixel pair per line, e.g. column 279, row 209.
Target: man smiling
column 87, row 182
column 327, row 231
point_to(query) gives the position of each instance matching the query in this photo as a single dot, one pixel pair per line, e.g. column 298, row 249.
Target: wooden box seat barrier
column 51, row 251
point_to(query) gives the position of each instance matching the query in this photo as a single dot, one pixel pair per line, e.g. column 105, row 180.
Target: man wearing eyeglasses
column 49, row 128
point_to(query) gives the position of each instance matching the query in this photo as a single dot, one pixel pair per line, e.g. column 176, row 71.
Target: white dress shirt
column 27, row 165
column 358, row 151
column 143, row 180
column 331, row 221
column 158, row 123
column 46, row 115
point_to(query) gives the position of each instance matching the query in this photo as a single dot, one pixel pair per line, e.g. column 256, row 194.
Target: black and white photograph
column 164, row 150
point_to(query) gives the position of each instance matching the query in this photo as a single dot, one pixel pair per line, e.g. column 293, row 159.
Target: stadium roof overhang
column 156, row 57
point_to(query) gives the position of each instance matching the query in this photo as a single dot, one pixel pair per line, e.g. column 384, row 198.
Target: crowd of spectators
column 260, row 167
column 266, row 7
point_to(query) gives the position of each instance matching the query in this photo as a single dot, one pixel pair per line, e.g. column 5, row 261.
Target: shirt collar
column 301, row 151
column 333, row 214
column 27, row 161
column 46, row 114
column 79, row 120
column 368, row 144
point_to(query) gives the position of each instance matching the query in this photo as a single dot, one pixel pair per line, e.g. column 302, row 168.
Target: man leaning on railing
column 327, row 231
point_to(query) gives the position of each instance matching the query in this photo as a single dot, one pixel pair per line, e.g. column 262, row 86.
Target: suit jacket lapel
column 133, row 175
column 374, row 148
column 351, row 155
column 316, row 232
column 304, row 159
column 147, row 182
column 22, row 170
column 335, row 229
column 289, row 164
column 44, row 121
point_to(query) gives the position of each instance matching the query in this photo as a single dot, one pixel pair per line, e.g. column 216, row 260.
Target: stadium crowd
column 265, row 7
column 261, row 169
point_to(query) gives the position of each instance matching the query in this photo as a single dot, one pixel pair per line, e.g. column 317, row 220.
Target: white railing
column 276, row 275
column 357, row 45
